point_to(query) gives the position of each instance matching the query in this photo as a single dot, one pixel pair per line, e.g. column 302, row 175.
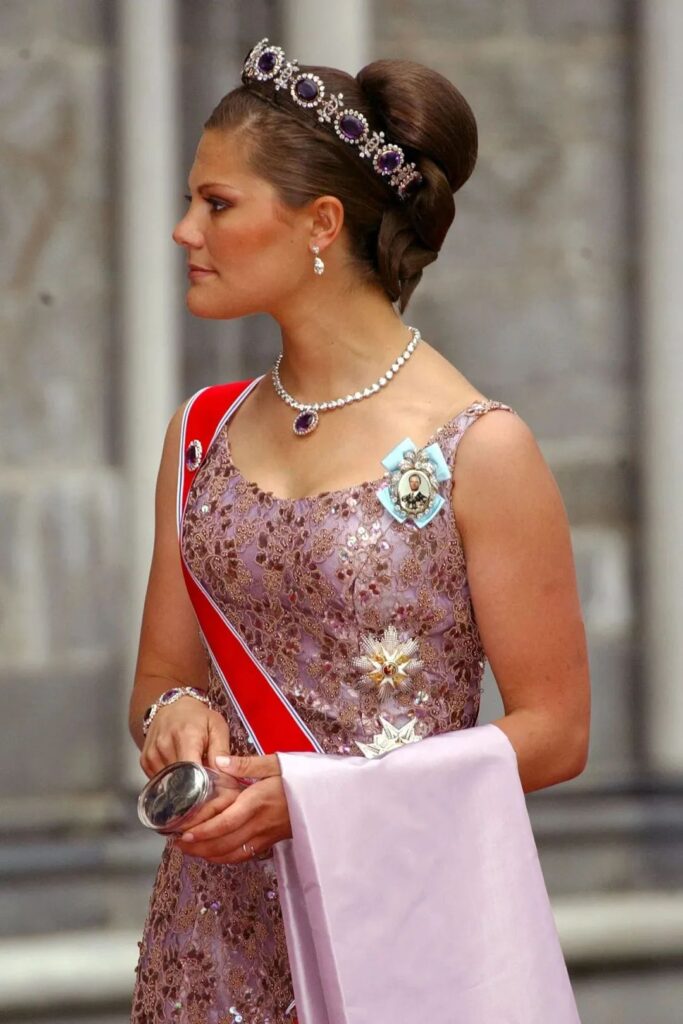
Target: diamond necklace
column 307, row 420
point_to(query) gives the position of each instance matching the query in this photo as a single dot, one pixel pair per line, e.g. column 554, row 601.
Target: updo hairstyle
column 391, row 240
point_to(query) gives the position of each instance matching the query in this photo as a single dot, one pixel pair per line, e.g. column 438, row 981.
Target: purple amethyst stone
column 305, row 422
column 266, row 62
column 388, row 162
column 411, row 185
column 351, row 126
column 306, row 89
column 193, row 455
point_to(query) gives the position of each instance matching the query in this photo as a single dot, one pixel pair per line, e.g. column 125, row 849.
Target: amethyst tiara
column 266, row 63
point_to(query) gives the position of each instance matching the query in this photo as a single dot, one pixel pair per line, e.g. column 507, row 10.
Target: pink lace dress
column 305, row 582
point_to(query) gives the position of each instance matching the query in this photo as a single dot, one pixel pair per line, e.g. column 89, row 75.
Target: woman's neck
column 328, row 353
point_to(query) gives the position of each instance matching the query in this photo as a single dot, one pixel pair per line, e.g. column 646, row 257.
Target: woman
column 363, row 597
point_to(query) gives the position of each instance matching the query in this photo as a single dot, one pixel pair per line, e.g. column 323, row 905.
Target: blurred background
column 556, row 291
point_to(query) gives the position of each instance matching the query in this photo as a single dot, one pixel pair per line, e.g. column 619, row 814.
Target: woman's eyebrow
column 213, row 184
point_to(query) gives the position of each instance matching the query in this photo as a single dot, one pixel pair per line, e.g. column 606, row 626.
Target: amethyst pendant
column 305, row 422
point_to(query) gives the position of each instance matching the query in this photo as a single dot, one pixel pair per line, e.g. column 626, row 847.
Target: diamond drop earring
column 318, row 265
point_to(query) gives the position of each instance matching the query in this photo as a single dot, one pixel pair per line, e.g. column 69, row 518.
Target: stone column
column 338, row 36
column 147, row 206
column 661, row 80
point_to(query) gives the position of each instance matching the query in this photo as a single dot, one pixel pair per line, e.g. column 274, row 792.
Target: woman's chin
column 221, row 301
column 199, row 306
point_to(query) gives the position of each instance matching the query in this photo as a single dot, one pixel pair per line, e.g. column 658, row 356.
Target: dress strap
column 477, row 409
column 452, row 434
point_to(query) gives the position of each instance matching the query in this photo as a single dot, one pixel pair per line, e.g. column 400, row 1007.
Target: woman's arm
column 170, row 652
column 522, row 580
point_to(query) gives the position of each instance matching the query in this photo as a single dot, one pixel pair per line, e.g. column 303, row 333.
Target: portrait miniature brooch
column 413, row 490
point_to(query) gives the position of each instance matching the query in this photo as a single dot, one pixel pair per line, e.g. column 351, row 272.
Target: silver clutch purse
column 172, row 796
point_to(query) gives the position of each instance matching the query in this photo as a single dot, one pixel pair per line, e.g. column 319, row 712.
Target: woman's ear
column 328, row 220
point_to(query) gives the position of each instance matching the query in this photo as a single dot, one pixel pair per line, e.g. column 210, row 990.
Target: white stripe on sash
column 264, row 672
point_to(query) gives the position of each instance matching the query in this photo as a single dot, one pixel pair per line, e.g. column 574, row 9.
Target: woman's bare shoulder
column 499, row 468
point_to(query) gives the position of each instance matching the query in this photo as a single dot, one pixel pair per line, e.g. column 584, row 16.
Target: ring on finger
column 251, row 852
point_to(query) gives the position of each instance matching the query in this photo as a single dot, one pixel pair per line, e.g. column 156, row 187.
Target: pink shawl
column 412, row 889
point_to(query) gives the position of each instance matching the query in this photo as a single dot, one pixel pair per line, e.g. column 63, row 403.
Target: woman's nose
column 186, row 233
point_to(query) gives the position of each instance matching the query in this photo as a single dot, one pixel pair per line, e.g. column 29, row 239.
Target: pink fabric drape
column 412, row 889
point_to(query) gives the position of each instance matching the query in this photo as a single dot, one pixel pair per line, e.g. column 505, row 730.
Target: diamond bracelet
column 168, row 697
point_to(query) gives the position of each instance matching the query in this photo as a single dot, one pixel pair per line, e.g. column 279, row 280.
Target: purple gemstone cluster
column 266, row 63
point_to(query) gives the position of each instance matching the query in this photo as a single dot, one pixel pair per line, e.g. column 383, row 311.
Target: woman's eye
column 217, row 205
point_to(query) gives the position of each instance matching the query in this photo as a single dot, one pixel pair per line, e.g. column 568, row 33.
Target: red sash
column 271, row 721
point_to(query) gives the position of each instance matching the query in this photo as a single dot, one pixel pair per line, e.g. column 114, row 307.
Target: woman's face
column 256, row 250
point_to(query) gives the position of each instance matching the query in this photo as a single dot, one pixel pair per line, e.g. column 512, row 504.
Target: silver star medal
column 389, row 738
column 387, row 662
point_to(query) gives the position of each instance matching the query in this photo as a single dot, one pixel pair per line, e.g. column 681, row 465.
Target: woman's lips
column 198, row 272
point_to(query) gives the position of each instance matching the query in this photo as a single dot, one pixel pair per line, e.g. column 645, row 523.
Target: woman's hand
column 185, row 730
column 258, row 816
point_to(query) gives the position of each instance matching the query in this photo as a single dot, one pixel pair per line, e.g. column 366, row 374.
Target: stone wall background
column 533, row 293
column 62, row 542
column 534, row 297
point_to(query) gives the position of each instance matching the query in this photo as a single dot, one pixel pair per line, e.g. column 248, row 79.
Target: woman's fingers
column 225, row 849
column 229, row 820
column 218, row 744
column 166, row 748
column 190, row 740
column 259, row 815
column 246, row 767
column 262, row 808
column 224, row 798
column 156, row 754
column 150, row 763
column 179, row 732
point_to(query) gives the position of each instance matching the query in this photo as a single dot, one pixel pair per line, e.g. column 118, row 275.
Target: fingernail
column 222, row 760
column 187, row 837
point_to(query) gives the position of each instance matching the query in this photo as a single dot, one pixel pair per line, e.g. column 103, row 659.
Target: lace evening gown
column 303, row 580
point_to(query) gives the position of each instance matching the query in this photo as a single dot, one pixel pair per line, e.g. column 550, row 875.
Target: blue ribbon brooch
column 413, row 490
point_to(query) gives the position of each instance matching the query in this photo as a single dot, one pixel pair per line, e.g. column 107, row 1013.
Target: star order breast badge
column 389, row 738
column 413, row 489
column 387, row 662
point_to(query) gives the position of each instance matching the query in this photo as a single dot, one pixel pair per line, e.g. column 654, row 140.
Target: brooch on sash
column 413, row 490
column 389, row 738
column 193, row 455
column 387, row 662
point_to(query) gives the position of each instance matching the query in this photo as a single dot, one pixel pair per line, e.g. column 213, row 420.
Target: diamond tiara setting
column 268, row 63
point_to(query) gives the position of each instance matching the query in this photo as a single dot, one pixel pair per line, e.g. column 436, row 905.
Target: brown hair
column 391, row 240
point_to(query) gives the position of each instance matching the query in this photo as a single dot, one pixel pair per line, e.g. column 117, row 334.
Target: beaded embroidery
column 302, row 580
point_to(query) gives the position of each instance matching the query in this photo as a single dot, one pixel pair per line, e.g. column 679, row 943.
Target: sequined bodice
column 306, row 582
column 354, row 614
